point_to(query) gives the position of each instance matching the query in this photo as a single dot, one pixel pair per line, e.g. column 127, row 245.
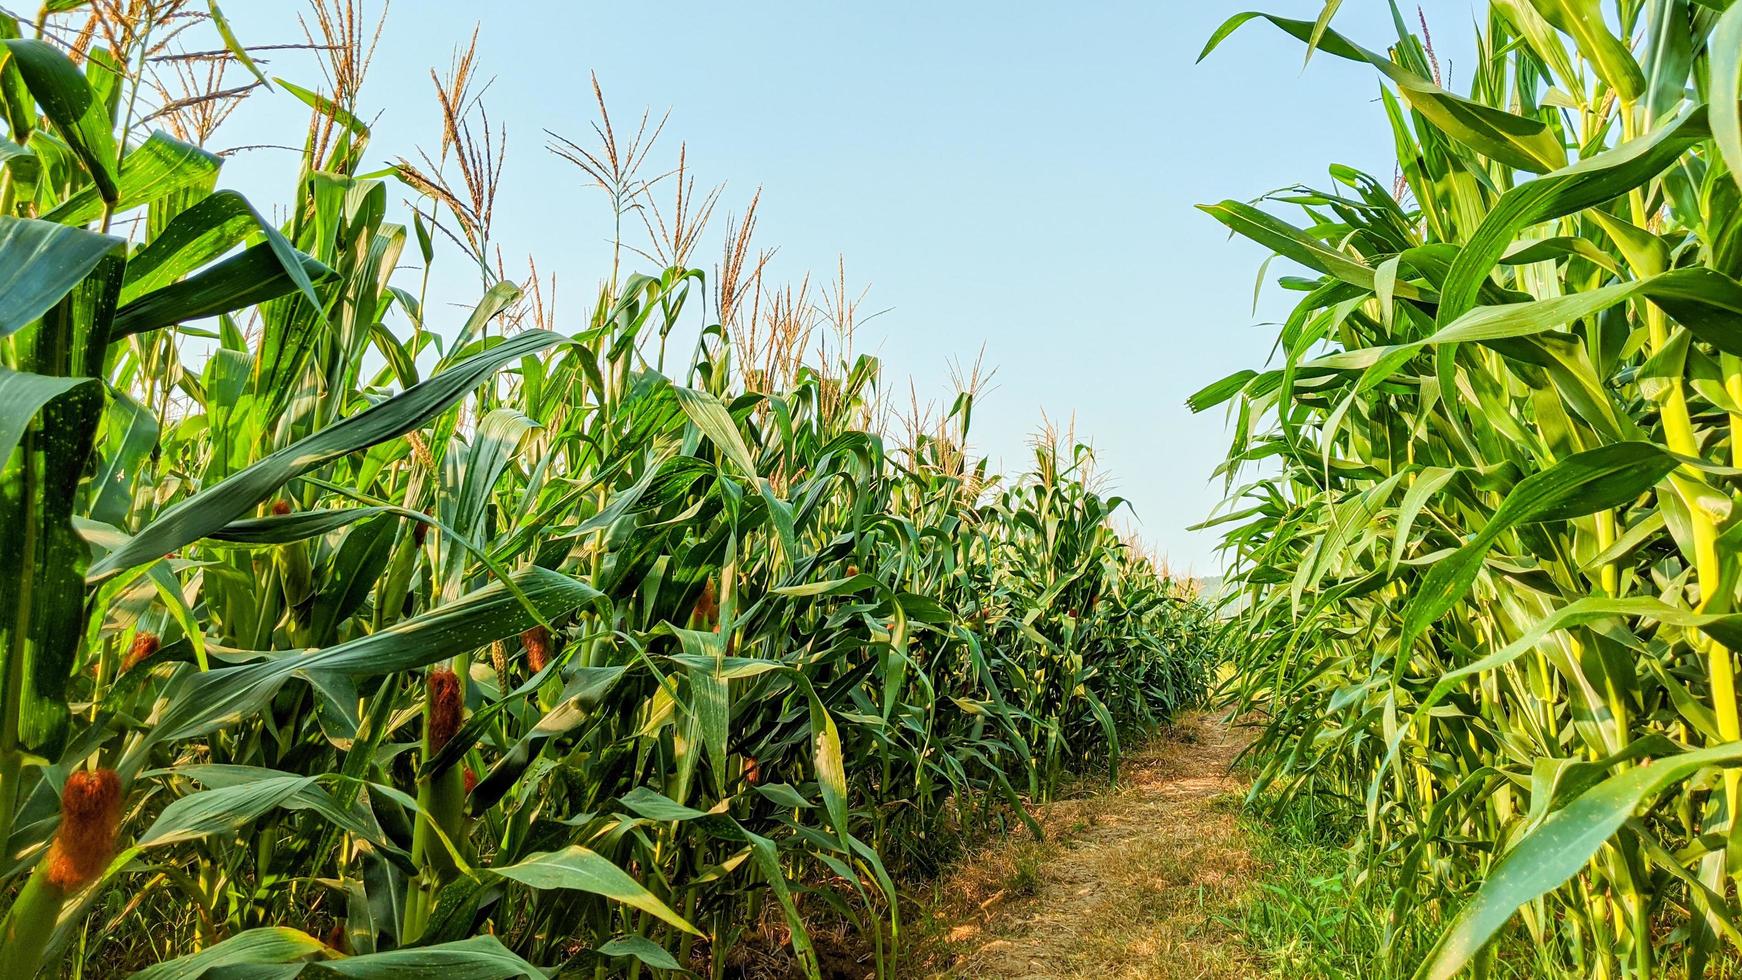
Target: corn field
column 1483, row 501
column 345, row 635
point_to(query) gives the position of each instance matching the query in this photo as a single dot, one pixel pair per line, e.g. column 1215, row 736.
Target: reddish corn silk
column 144, row 645
column 470, row 780
column 537, row 643
column 708, row 603
column 90, row 806
column 280, row 508
column 444, row 707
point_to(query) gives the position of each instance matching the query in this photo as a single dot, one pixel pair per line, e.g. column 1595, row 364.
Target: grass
column 1305, row 916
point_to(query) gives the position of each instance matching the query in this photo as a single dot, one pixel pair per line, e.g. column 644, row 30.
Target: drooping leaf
column 236, row 47
column 22, row 395
column 478, row 958
column 252, row 947
column 1513, row 140
column 254, row 276
column 220, row 697
column 64, row 96
column 1556, row 850
column 577, row 868
column 160, row 166
column 1584, row 483
column 643, row 949
column 41, row 262
column 212, row 508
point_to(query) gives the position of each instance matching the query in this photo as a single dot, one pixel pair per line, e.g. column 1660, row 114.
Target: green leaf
column 767, row 859
column 1726, row 57
column 711, row 417
column 353, row 819
column 1668, row 56
column 1323, row 21
column 478, row 958
column 297, row 526
column 500, row 296
column 465, row 507
column 43, row 556
column 347, row 580
column 210, row 700
column 1583, row 483
column 1215, row 394
column 236, row 47
column 643, row 949
column 41, row 262
column 212, row 508
column 1426, row 484
column 1516, row 141
column 1725, row 628
column 1286, row 240
column 1555, row 851
column 21, row 397
column 577, row 868
column 326, row 107
column 582, row 694
column 1543, row 39
column 831, row 768
column 1582, row 20
column 159, row 167
column 202, row 232
column 130, row 436
column 782, row 794
column 223, row 810
column 1590, row 182
column 657, row 806
column 1705, row 301
column 254, row 276
column 270, row 944
column 64, row 96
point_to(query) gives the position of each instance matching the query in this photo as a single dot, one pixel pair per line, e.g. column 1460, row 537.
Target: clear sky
column 1018, row 175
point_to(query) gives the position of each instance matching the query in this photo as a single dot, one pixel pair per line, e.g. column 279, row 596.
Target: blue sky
column 1015, row 175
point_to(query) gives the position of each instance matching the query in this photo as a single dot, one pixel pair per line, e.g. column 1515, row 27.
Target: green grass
column 1310, row 912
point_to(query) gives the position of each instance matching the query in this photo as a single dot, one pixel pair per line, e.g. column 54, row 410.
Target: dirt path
column 1130, row 883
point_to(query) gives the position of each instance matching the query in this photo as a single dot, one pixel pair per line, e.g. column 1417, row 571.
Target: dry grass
column 1130, row 882
column 1137, row 881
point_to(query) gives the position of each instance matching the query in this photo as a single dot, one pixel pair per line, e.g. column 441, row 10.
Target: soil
column 1133, row 881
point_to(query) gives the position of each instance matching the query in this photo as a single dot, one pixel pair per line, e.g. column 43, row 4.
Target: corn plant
column 1489, row 568
column 488, row 646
